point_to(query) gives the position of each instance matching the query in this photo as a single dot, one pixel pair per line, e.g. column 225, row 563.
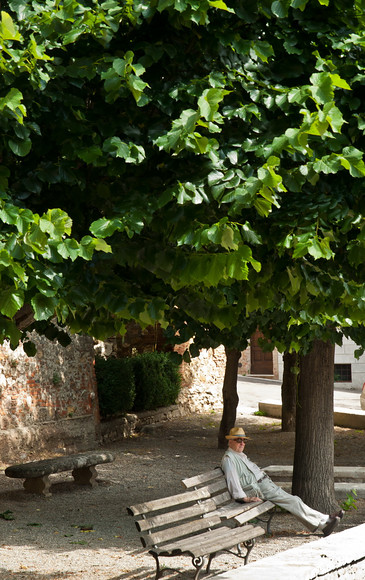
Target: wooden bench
column 36, row 473
column 200, row 522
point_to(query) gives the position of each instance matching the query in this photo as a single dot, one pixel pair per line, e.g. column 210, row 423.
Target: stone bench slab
column 36, row 473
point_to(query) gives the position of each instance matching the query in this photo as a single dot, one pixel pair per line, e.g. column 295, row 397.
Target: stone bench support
column 36, row 474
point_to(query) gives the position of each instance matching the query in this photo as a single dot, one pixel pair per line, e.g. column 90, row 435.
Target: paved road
column 252, row 390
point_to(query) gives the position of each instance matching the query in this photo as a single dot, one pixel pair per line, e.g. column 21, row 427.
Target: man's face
column 237, row 444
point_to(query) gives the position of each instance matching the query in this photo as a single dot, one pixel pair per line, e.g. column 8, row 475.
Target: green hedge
column 116, row 389
column 139, row 383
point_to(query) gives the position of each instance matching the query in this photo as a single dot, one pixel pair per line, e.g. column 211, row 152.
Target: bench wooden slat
column 232, row 509
column 233, row 537
column 222, row 498
column 180, row 531
column 202, row 478
column 175, row 516
column 256, row 511
column 214, row 540
column 217, row 485
column 166, row 502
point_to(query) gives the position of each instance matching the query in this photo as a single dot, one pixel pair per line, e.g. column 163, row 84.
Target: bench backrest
column 182, row 515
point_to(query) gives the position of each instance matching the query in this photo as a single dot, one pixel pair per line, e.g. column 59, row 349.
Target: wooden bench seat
column 200, row 522
column 36, row 473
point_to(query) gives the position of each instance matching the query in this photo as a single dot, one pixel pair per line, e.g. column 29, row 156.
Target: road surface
column 253, row 390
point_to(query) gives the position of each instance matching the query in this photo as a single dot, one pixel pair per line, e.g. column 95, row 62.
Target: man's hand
column 248, row 499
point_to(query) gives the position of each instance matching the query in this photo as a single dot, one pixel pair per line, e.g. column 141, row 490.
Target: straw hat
column 237, row 433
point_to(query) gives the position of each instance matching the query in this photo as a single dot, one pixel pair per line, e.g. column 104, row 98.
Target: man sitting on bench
column 247, row 482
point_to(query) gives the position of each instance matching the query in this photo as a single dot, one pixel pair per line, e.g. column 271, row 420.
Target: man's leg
column 311, row 518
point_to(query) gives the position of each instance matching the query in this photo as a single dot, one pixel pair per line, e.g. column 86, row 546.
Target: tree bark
column 230, row 396
column 313, row 478
column 289, row 389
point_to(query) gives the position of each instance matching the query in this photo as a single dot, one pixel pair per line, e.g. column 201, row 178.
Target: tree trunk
column 230, row 396
column 313, row 477
column 289, row 389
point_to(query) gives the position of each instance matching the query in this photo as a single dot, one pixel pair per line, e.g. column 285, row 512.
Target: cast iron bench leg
column 198, row 563
column 85, row 476
column 209, row 562
column 159, row 572
column 248, row 545
column 38, row 485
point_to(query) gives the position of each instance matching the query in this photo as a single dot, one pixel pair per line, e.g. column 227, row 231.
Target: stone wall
column 202, row 381
column 48, row 403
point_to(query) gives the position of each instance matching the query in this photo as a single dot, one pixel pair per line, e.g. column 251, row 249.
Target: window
column 343, row 373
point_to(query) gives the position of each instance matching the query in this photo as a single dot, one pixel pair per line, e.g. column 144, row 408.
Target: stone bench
column 36, row 473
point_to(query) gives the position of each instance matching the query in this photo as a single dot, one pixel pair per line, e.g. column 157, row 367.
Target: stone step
column 342, row 417
column 342, row 489
column 347, row 473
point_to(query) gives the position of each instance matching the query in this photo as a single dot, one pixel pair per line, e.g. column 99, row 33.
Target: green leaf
column 90, row 154
column 43, row 306
column 56, row 223
column 8, row 30
column 279, row 9
column 11, row 300
column 262, row 49
column 13, row 101
column 220, row 5
column 209, row 102
column 322, row 87
column 104, row 227
column 228, row 239
column 20, row 148
column 339, row 82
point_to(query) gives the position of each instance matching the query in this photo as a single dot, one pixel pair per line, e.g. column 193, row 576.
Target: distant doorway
column 261, row 362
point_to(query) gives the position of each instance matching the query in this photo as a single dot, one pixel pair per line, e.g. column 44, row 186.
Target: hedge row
column 139, row 383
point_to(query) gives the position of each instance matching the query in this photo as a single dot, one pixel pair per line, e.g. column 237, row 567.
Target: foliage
column 115, row 382
column 237, row 125
column 141, row 383
column 157, row 380
column 350, row 502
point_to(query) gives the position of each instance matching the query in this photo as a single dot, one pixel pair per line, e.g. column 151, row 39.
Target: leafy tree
column 216, row 146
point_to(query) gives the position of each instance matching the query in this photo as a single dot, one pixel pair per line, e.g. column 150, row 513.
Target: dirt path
column 86, row 533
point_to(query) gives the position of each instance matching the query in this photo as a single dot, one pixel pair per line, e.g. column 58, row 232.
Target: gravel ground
column 86, row 534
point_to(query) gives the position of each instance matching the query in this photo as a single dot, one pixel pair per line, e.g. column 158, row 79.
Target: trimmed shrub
column 116, row 389
column 157, row 380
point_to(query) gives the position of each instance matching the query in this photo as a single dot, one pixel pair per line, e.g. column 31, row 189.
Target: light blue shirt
column 241, row 473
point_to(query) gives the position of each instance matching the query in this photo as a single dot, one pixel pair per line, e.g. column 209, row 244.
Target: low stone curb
column 349, row 418
column 341, row 555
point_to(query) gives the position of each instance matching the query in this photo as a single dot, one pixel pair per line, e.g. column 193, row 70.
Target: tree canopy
column 216, row 148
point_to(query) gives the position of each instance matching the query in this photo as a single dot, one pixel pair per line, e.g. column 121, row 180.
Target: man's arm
column 233, row 483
